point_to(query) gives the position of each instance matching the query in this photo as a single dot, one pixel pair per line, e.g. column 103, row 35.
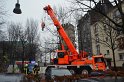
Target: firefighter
column 26, row 69
column 36, row 69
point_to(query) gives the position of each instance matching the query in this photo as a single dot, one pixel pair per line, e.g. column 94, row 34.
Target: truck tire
column 85, row 72
column 72, row 71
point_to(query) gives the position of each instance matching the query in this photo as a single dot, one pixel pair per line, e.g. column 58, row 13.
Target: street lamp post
column 17, row 9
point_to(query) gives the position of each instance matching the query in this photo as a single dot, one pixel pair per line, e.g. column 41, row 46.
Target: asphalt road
column 98, row 79
column 102, row 79
column 13, row 77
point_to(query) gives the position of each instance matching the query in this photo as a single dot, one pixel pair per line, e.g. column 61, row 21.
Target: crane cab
column 99, row 63
column 61, row 57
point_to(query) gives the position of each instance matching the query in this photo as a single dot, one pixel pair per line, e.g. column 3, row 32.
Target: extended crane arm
column 61, row 31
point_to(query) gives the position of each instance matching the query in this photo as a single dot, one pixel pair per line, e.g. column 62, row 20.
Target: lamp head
column 17, row 9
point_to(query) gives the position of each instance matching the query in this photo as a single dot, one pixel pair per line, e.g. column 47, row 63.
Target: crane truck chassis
column 78, row 63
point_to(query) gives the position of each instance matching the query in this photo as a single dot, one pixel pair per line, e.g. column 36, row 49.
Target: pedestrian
column 30, row 68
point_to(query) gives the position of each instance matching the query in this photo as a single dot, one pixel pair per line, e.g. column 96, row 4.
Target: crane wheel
column 72, row 71
column 85, row 72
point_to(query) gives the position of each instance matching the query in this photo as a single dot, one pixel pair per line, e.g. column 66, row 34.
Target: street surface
column 96, row 79
column 103, row 79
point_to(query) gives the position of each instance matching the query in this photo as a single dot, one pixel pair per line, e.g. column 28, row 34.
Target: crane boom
column 78, row 62
column 61, row 31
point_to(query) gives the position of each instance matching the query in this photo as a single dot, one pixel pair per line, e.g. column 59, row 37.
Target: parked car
column 13, row 77
column 52, row 72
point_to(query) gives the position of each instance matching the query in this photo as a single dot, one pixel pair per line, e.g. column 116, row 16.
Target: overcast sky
column 30, row 8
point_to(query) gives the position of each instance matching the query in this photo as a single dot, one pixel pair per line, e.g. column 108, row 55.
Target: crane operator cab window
column 60, row 54
column 99, row 60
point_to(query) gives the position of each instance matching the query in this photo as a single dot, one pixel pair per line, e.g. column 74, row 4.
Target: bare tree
column 26, row 38
column 65, row 20
column 50, row 46
column 62, row 16
column 4, row 59
column 32, row 37
column 2, row 13
column 108, row 37
column 61, row 13
column 23, row 40
column 87, row 5
column 13, row 38
column 17, row 35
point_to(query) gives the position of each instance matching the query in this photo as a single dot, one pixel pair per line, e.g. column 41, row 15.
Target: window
column 84, row 29
column 121, row 43
column 97, row 40
column 98, row 49
column 60, row 54
column 108, row 53
column 119, row 33
column 97, row 60
column 96, row 29
column 105, row 27
column 121, row 56
column 106, row 39
column 61, row 72
column 85, row 40
column 116, row 15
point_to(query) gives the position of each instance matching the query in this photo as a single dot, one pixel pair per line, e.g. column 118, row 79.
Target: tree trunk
column 113, row 52
column 13, row 63
column 23, row 54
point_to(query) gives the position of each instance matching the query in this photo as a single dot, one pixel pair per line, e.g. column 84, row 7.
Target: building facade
column 70, row 31
column 84, row 34
column 84, row 26
column 95, row 33
column 104, row 38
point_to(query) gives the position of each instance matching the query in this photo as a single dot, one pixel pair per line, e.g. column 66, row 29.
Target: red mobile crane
column 78, row 62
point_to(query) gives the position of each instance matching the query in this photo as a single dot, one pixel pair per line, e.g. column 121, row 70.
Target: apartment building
column 104, row 38
column 84, row 26
column 70, row 30
column 84, row 34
